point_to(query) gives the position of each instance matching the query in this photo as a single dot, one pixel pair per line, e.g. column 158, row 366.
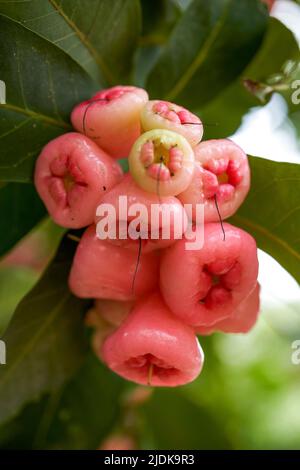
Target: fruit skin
column 105, row 271
column 71, row 175
column 159, row 114
column 114, row 123
column 187, row 276
column 135, row 195
column 152, row 335
column 242, row 320
column 219, row 159
column 170, row 184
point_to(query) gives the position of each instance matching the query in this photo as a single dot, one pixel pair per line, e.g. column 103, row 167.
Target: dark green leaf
column 159, row 17
column 42, row 84
column 209, row 48
column 174, row 422
column 271, row 211
column 21, row 209
column 229, row 107
column 87, row 410
column 45, row 339
column 78, row 416
column 100, row 35
column 19, row 433
column 145, row 58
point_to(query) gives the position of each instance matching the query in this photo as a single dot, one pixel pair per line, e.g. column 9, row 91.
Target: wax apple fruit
column 112, row 118
column 103, row 270
column 71, row 175
column 162, row 162
column 153, row 347
column 206, row 285
column 221, row 176
column 157, row 228
column 159, row 114
column 242, row 320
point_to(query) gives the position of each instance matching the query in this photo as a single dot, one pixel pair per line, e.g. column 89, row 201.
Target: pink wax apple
column 159, row 114
column 221, row 175
column 205, row 286
column 102, row 270
column 152, row 347
column 71, row 175
column 112, row 118
column 242, row 319
column 158, row 222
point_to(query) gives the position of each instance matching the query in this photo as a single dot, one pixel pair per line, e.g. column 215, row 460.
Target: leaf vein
column 200, row 58
column 264, row 231
column 36, row 116
column 83, row 38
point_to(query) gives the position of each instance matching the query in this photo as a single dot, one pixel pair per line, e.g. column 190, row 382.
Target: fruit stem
column 137, row 264
column 73, row 237
column 221, row 221
column 150, row 373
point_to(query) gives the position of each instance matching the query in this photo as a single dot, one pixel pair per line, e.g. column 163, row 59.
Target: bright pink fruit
column 165, row 115
column 222, row 173
column 112, row 118
column 71, row 175
column 153, row 347
column 166, row 226
column 241, row 321
column 205, row 286
column 104, row 271
column 162, row 162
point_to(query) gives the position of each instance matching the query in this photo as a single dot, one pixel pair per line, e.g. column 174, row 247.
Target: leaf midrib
column 109, row 76
column 264, row 231
column 200, row 58
column 37, row 116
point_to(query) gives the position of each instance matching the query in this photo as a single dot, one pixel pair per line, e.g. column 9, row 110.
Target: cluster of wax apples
column 152, row 296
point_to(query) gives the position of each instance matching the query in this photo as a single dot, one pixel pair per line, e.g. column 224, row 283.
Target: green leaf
column 271, row 211
column 100, row 35
column 21, row 209
column 24, row 265
column 209, row 48
column 45, row 340
column 159, row 18
column 78, row 416
column 43, row 84
column 15, row 282
column 19, row 433
column 278, row 46
column 145, row 58
column 87, row 410
column 174, row 422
